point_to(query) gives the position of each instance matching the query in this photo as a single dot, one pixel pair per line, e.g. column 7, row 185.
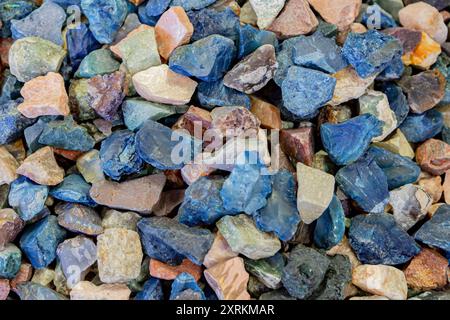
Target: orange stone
column 432, row 186
column 164, row 271
column 342, row 13
column 25, row 273
column 5, row 44
column 427, row 271
column 8, row 166
column 68, row 154
column 173, row 29
column 433, row 156
column 45, row 96
column 358, row 28
column 267, row 113
column 425, row 54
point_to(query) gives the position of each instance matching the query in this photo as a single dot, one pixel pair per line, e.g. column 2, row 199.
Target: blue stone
column 40, row 240
column 152, row 290
column 280, row 215
column 393, row 71
column 9, row 87
column 32, row 134
column 161, row 147
column 399, row 170
column 12, row 122
column 80, row 42
column 183, row 282
column 97, row 62
column 156, row 7
column 145, row 18
column 305, row 91
column 328, row 29
column 30, row 291
column 27, row 198
column 397, row 100
column 118, row 155
column 105, row 17
column 251, row 39
column 377, row 239
column 207, row 59
column 202, row 204
column 189, row 5
column 347, row 141
column 330, row 227
column 45, row 22
column 365, row 183
column 169, row 241
column 436, row 231
column 371, row 52
column 66, row 134
column 207, row 22
column 13, row 9
column 376, row 17
column 284, row 59
column 446, row 134
column 421, row 127
column 318, row 52
column 73, row 189
column 10, row 259
column 248, row 186
column 215, row 94
column 66, row 3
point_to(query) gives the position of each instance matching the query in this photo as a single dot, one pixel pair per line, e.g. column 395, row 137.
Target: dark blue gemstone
column 330, row 227
column 156, row 7
column 152, row 290
column 145, row 18
column 207, row 22
column 436, row 231
column 394, row 70
column 9, row 87
column 215, row 94
column 73, row 189
column 80, row 42
column 12, row 122
column 397, row 100
column 421, row 127
column 183, row 282
column 251, row 39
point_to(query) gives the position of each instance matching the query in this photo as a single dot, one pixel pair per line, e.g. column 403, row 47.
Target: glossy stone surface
column 207, row 22
column 27, row 198
column 12, row 122
column 97, row 62
column 330, row 226
column 10, row 258
column 80, row 42
column 250, row 38
column 420, row 127
column 436, row 231
column 73, row 189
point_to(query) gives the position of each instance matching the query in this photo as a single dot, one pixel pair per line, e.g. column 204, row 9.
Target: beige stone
column 8, row 166
column 397, row 143
column 343, row 248
column 370, row 298
column 85, row 290
column 266, row 11
column 248, row 15
column 219, row 252
column 90, row 167
column 349, row 86
column 446, row 187
column 432, row 186
column 116, row 219
column 358, row 28
column 342, row 13
column 43, row 276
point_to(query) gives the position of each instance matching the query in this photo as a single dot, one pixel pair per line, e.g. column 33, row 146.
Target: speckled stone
column 427, row 271
column 192, row 4
column 8, row 166
column 266, row 12
column 10, row 258
column 12, row 122
column 268, row 271
column 85, row 290
column 433, row 156
column 10, row 226
column 210, row 21
column 79, row 218
column 97, row 62
column 27, row 198
column 13, row 9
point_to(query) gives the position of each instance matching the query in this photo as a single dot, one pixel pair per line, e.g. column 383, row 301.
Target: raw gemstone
column 32, row 56
column 73, row 189
column 66, row 134
column 371, row 52
column 33, row 291
column 10, row 86
column 207, row 59
column 4, row 289
column 97, row 62
column 268, row 114
column 421, row 16
column 427, row 271
column 79, row 100
column 152, row 290
column 137, row 195
column 89, row 165
column 330, row 226
column 79, row 218
column 377, row 104
column 365, row 183
column 219, row 252
column 168, row 202
column 393, row 71
column 164, row 271
column 208, row 21
column 40, row 240
column 420, row 127
column 346, row 142
column 315, row 192
column 229, row 279
column 43, row 277
column 381, row 280
column 119, row 255
column 192, row 4
column 268, row 271
column 169, row 241
column 432, row 186
column 340, row 13
column 408, row 38
column 27, row 198
column 10, row 258
column 436, row 232
column 45, row 22
column 234, row 122
column 397, row 100
column 247, row 14
column 195, row 120
column 305, row 91
column 349, row 86
column 160, row 84
column 13, row 9
column 243, row 237
column 117, row 219
column 266, row 12
column 105, row 17
column 8, row 166
column 80, row 41
column 85, row 290
column 41, row 167
column 24, row 274
column 280, row 215
column 378, row 239
column 131, row 22
column 433, row 156
column 10, row 226
column 284, row 59
column 118, row 155
column 304, row 272
column 410, row 204
column 156, row 7
column 186, row 288
column 344, row 249
column 139, row 50
column 251, row 38
column 425, row 54
column 295, row 19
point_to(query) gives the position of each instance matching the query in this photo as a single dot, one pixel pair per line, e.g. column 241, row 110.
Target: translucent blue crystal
column 330, row 227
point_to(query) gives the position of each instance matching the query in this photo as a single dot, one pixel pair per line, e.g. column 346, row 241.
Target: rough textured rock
column 85, row 290
column 28, row 198
column 89, row 166
column 97, row 62
column 219, row 252
column 211, row 21
column 78, row 218
column 266, row 12
column 10, row 226
column 420, row 127
column 186, row 288
column 267, row 271
column 80, row 41
column 432, row 186
column 337, row 280
column 164, row 271
column 433, row 156
column 73, row 189
column 12, row 122
column 234, row 122
column 398, row 144
column 425, row 54
column 330, row 226
column 436, row 231
column 341, row 13
column 427, row 271
column 10, row 258
column 251, row 38
column 268, row 114
column 344, row 249
column 8, row 166
column 116, row 219
column 32, row 291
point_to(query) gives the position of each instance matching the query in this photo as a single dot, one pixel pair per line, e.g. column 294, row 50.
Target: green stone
column 79, row 100
column 98, row 62
column 4, row 191
column 391, row 6
column 268, row 271
column 10, row 258
column 255, row 287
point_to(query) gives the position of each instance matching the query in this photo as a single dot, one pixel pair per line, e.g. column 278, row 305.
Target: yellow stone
column 397, row 144
column 425, row 54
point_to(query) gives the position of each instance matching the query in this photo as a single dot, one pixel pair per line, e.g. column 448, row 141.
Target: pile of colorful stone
column 224, row 149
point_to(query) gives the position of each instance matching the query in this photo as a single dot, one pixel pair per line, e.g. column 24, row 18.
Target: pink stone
column 234, row 122
column 342, row 13
column 85, row 290
column 195, row 120
column 433, row 156
column 4, row 289
column 219, row 252
column 8, row 166
column 168, row 202
column 298, row 144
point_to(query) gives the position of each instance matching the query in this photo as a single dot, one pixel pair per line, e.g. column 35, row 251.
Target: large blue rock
column 207, row 22
column 66, row 134
column 192, row 4
column 45, row 22
column 163, row 148
column 207, row 59
column 371, row 52
column 13, row 9
column 169, row 241
column 202, row 204
column 318, row 52
column 280, row 215
column 284, row 59
column 80, row 42
column 9, row 87
column 215, row 94
column 10, row 260
column 377, row 239
column 40, row 240
column 73, row 189
column 27, row 198
column 330, row 227
column 155, row 8
column 436, row 231
column 12, row 122
column 305, row 91
column 347, row 141
column 183, row 282
column 251, row 38
column 152, row 290
column 248, row 186
column 374, row 17
column 105, row 17
column 365, row 183
column 397, row 100
column 421, row 127
column 145, row 18
column 118, row 155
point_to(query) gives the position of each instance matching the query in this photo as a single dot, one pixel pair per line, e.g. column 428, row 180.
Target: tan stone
column 248, row 15
column 433, row 208
column 267, row 113
column 44, row 96
column 41, row 167
column 342, row 13
column 165, row 271
column 397, row 143
column 425, row 54
column 427, row 271
column 343, row 248
column 85, row 290
column 116, row 219
column 219, row 252
column 43, row 276
column 358, row 28
column 432, row 186
column 266, row 11
column 381, row 280
column 8, row 167
column 433, row 156
column 446, row 187
column 25, row 273
column 349, row 86
column 229, row 279
column 4, row 289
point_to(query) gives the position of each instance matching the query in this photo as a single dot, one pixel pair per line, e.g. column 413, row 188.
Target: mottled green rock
column 268, row 270
column 10, row 258
column 98, row 62
column 33, row 291
column 79, row 100
column 337, row 278
column 4, row 191
column 255, row 287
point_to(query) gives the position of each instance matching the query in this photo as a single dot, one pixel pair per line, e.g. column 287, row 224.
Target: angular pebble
column 78, row 218
column 85, row 290
column 10, row 258
column 427, row 271
column 330, row 226
column 73, row 189
column 340, row 13
column 97, row 62
column 433, row 156
column 10, row 226
column 27, row 198
column 8, row 166
column 266, row 12
column 436, row 231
